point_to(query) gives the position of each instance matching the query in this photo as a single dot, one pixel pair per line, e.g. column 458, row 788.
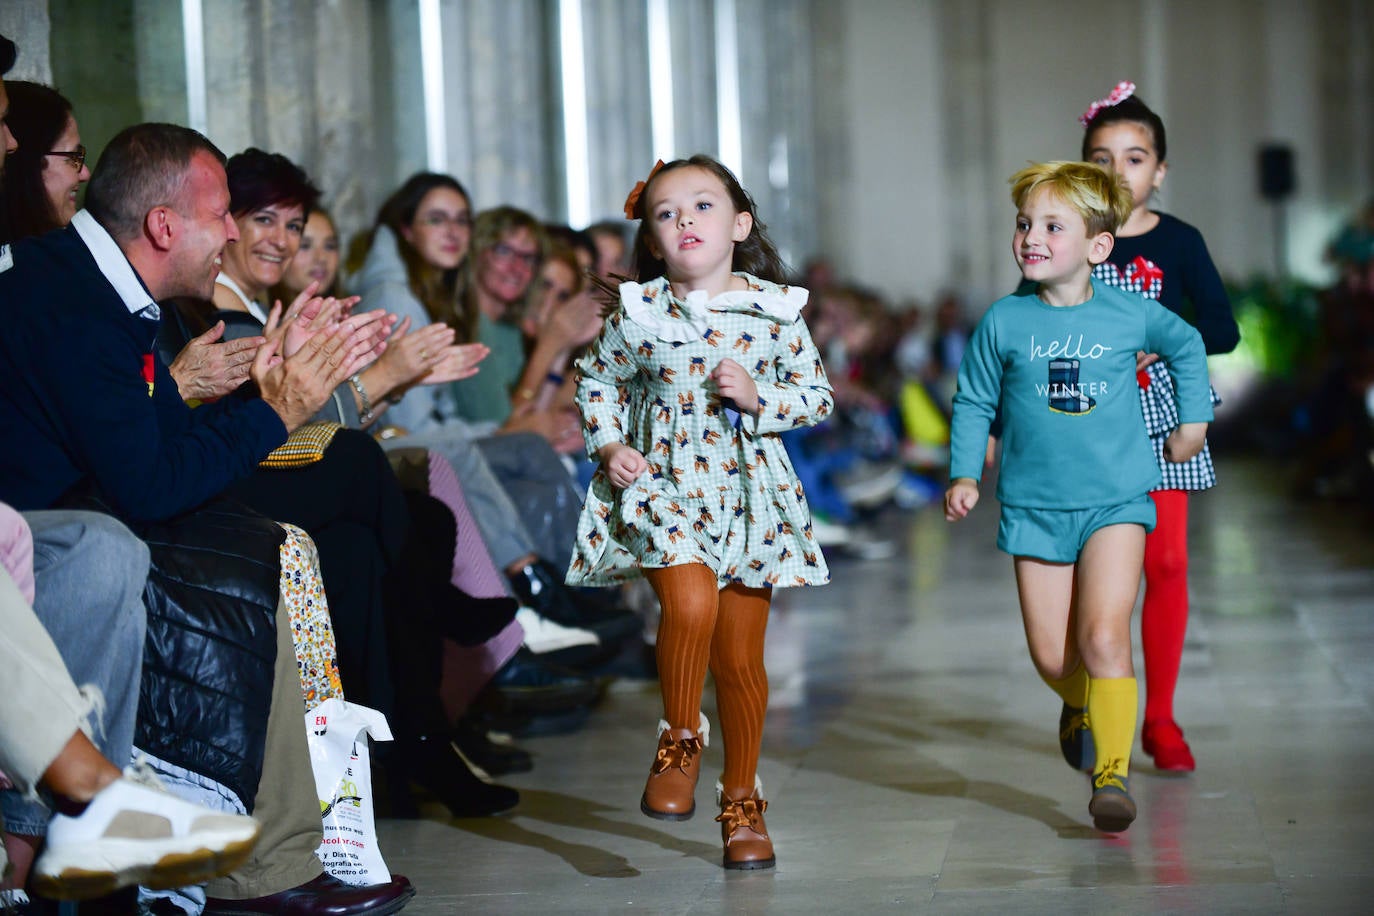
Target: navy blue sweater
column 1170, row 263
column 76, row 406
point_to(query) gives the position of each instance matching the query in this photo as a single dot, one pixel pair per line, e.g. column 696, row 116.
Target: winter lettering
column 1066, row 349
column 1076, row 390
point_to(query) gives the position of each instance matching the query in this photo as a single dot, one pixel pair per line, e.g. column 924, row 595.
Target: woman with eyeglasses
column 522, row 497
column 43, row 175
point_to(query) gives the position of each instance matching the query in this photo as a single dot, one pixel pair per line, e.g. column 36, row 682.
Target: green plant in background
column 1278, row 325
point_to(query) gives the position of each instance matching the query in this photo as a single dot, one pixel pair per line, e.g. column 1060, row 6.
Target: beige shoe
column 745, row 835
column 669, row 795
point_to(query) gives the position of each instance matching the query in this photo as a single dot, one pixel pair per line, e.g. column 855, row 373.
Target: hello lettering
column 1067, row 348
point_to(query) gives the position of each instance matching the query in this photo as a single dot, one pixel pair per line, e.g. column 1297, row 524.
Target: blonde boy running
column 1059, row 358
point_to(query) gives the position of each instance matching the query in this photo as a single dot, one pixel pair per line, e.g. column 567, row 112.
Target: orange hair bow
column 632, row 199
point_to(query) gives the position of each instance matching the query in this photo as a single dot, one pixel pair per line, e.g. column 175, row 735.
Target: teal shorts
column 1058, row 535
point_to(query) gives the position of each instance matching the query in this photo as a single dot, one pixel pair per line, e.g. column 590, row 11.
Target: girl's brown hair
column 755, row 255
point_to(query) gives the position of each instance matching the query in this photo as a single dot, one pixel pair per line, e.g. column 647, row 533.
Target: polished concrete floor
column 911, row 760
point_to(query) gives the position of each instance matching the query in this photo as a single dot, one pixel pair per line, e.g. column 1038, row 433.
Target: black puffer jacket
column 211, row 648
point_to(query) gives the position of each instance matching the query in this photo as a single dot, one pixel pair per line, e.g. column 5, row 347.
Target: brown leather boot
column 669, row 793
column 747, row 844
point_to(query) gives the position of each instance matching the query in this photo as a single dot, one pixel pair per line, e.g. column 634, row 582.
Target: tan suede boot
column 745, row 835
column 669, row 795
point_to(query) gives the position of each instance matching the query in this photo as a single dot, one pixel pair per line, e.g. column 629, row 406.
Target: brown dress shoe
column 669, row 793
column 324, row 896
column 747, row 845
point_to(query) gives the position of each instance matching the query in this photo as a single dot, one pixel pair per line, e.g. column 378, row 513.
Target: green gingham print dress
column 719, row 488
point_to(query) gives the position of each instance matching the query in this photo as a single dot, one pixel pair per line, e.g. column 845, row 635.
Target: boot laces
column 747, row 812
column 676, row 753
column 1110, row 776
column 1077, row 722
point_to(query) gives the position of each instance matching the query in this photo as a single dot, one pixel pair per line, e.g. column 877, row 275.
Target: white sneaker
column 869, row 485
column 136, row 832
column 829, row 534
column 544, row 635
column 865, row 546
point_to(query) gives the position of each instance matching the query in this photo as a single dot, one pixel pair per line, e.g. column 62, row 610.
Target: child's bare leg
column 1046, row 591
column 1108, row 580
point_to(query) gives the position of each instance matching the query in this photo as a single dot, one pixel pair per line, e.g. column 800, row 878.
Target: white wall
column 886, row 226
column 942, row 100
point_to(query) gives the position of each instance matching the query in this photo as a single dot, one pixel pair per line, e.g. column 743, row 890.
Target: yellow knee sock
column 1111, row 716
column 1072, row 688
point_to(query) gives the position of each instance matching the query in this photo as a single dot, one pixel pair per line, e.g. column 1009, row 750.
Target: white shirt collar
column 115, row 266
column 254, row 309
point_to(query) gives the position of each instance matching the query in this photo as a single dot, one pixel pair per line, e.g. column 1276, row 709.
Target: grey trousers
column 521, row 497
column 89, row 572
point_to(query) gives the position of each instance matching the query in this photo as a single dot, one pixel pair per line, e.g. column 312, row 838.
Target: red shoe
column 1164, row 742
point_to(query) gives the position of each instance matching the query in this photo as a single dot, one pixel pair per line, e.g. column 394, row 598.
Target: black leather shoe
column 525, row 685
column 434, row 764
column 539, row 586
column 324, row 896
column 497, row 759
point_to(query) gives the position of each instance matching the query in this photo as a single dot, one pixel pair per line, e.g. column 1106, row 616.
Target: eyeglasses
column 436, row 219
column 506, row 253
column 75, row 157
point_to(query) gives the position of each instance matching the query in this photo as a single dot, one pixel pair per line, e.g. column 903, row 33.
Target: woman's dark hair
column 259, row 179
column 38, row 114
column 1129, row 109
column 755, row 255
column 436, row 289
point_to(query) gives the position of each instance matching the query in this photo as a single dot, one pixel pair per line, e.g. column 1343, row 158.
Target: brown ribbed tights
column 724, row 627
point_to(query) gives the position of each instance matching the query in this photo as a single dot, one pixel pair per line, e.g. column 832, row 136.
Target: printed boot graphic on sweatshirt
column 1066, row 395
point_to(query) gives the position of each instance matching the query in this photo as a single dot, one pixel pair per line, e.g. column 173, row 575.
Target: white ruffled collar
column 653, row 306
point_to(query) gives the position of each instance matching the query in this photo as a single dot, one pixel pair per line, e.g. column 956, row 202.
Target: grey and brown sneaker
column 1111, row 806
column 1076, row 739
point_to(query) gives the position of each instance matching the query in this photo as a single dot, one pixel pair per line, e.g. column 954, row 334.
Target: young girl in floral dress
column 703, row 363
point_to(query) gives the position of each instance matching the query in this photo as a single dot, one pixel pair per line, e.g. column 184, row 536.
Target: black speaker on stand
column 1277, row 182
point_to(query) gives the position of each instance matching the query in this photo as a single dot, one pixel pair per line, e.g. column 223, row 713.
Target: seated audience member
column 522, row 497
column 115, row 828
column 391, row 607
column 561, row 320
column 87, row 411
column 40, row 195
column 612, row 256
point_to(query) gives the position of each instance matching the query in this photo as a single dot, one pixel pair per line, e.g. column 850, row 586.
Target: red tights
column 724, row 628
column 1164, row 617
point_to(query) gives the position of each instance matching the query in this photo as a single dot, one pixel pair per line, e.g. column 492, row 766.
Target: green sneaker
column 1111, row 806
column 1076, row 739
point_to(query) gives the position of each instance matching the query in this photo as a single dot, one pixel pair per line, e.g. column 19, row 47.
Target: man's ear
column 1100, row 247
column 160, row 225
column 744, row 223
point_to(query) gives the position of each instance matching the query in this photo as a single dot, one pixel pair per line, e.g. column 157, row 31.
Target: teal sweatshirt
column 1065, row 380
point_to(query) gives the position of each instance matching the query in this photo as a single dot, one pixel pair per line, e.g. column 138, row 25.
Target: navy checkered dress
column 1161, row 412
